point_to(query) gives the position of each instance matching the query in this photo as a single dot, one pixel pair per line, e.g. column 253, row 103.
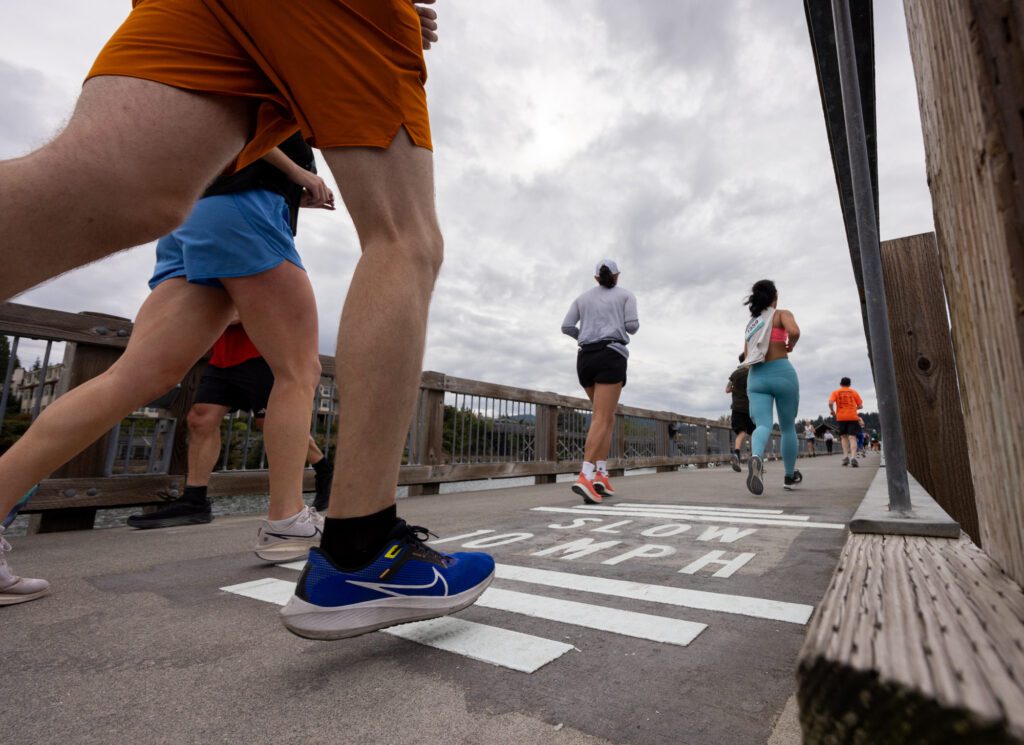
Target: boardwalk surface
column 671, row 614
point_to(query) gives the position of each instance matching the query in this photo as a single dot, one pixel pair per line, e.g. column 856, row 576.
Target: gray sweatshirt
column 603, row 314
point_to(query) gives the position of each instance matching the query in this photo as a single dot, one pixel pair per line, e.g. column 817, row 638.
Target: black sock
column 352, row 542
column 323, row 466
column 195, row 494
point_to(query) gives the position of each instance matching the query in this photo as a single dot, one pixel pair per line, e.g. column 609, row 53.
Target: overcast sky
column 685, row 140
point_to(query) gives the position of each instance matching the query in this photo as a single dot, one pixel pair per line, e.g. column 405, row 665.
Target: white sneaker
column 290, row 543
column 14, row 589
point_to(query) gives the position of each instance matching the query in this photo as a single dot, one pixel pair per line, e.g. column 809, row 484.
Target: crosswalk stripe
column 626, row 623
column 743, row 605
column 594, row 510
column 491, row 644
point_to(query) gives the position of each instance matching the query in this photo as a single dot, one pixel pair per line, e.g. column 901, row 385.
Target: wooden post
column 546, row 439
column 933, row 422
column 969, row 65
column 428, row 434
column 83, row 362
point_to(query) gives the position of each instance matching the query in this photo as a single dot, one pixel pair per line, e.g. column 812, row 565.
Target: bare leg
column 285, row 332
column 127, row 169
column 738, row 442
column 175, row 326
column 203, row 441
column 599, row 437
column 313, row 453
column 390, row 196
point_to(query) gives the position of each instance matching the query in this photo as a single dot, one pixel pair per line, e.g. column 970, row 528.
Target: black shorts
column 741, row 422
column 603, row 365
column 244, row 387
column 851, row 428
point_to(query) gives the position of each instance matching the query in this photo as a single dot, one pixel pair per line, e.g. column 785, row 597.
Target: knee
column 418, row 248
column 201, row 422
column 296, row 371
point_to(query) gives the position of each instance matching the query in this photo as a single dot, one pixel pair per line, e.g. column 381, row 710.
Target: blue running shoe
column 17, row 507
column 407, row 581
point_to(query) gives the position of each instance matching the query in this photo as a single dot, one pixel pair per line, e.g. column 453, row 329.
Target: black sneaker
column 734, row 459
column 755, row 470
column 791, row 481
column 323, row 480
column 178, row 512
column 854, row 463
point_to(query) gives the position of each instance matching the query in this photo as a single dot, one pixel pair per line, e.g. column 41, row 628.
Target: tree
column 5, row 356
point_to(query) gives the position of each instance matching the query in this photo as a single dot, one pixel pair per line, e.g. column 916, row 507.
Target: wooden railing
column 462, row 430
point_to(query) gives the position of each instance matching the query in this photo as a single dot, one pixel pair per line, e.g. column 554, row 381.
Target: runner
column 770, row 336
column 809, row 438
column 742, row 424
column 829, row 440
column 606, row 316
column 843, row 405
column 861, row 439
column 180, row 91
column 236, row 379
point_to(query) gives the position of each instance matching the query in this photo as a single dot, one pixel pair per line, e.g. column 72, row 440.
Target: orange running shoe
column 585, row 488
column 603, row 485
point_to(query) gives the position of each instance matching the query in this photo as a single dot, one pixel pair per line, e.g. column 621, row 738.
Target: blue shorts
column 227, row 235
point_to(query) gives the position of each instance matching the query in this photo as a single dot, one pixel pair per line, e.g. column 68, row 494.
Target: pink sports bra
column 780, row 335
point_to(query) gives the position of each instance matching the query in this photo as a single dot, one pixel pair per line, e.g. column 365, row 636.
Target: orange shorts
column 348, row 73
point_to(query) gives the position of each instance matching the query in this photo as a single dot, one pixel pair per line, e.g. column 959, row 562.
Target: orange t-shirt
column 847, row 401
column 233, row 348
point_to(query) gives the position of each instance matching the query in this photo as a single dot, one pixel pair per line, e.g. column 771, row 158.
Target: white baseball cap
column 612, row 266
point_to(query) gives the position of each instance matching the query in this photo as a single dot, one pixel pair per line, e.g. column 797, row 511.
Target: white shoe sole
column 291, row 550
column 15, row 599
column 326, row 624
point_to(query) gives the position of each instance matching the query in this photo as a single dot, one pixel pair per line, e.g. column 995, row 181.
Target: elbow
column 632, row 326
column 571, row 331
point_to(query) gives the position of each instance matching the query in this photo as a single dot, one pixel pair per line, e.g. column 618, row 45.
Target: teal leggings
column 774, row 381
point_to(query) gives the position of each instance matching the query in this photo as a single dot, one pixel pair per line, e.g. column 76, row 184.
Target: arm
column 728, row 387
column 317, row 194
column 832, row 405
column 632, row 318
column 570, row 321
column 792, row 330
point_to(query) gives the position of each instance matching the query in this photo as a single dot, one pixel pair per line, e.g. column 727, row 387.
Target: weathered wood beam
column 968, row 63
column 926, row 382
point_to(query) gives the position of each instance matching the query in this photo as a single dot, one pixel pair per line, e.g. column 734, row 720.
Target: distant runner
column 741, row 423
column 844, row 404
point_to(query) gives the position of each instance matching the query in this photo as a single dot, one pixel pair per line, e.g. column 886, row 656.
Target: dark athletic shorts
column 849, row 428
column 741, row 422
column 603, row 365
column 244, row 387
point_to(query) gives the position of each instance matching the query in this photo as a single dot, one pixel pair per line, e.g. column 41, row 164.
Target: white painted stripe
column 450, row 539
column 296, row 565
column 699, row 511
column 739, row 604
column 594, row 510
column 645, row 505
column 269, row 590
column 496, row 646
column 627, row 623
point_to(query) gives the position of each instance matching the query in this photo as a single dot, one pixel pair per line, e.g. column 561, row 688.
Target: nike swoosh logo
column 314, row 534
column 386, row 589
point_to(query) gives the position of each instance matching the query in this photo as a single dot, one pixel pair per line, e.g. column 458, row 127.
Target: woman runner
column 772, row 380
column 607, row 316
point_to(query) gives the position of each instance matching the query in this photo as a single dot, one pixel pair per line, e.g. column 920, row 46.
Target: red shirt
column 233, row 348
column 847, row 402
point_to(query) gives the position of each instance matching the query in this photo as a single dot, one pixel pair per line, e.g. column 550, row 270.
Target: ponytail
column 605, row 278
column 762, row 295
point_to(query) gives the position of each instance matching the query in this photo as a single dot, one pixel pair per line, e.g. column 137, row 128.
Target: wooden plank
column 916, row 640
column 967, row 61
column 42, row 323
column 929, row 397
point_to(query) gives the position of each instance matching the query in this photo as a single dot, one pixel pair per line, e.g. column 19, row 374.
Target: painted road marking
column 626, row 623
column 784, row 523
column 743, row 605
column 496, row 646
column 645, row 505
column 681, row 510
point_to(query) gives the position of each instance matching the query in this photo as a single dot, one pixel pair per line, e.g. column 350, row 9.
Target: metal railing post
column 871, row 263
column 8, row 383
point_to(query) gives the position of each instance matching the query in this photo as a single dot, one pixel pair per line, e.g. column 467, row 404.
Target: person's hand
column 316, row 194
column 428, row 21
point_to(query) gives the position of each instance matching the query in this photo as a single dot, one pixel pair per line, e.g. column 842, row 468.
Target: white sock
column 588, row 470
column 282, row 524
column 602, row 466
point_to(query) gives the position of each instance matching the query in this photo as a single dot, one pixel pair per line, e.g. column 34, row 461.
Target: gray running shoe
column 846, row 461
column 755, row 472
column 734, row 459
column 854, row 463
column 291, row 543
column 15, row 589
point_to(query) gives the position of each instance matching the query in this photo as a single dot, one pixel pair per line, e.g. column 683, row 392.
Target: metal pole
column 871, row 263
column 8, row 383
column 42, row 381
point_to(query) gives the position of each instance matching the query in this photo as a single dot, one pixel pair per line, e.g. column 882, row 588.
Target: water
column 255, row 504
